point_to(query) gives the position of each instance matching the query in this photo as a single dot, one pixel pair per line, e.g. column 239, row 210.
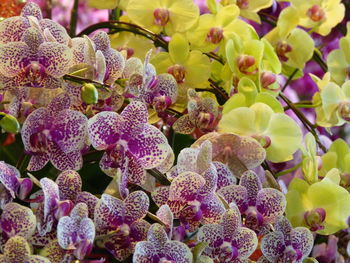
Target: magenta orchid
column 128, row 136
column 55, row 134
column 122, row 222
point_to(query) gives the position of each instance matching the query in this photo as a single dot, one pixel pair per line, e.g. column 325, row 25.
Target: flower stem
column 74, row 19
column 159, row 176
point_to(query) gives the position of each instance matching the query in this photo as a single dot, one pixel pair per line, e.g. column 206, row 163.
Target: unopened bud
column 89, row 93
column 9, row 123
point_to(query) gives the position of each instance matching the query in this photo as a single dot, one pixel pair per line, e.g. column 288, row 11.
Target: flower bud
column 89, row 93
column 9, row 123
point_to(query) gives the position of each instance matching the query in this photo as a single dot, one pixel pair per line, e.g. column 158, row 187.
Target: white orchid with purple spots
column 128, row 136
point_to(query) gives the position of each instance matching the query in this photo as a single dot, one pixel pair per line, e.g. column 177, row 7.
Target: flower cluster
column 175, row 131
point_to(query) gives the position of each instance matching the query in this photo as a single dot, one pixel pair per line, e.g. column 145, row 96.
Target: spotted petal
column 18, row 220
column 69, row 130
column 32, row 9
column 35, row 122
column 134, row 115
column 185, row 186
column 225, row 176
column 230, row 222
column 16, row 250
column 187, row 160
column 13, row 57
column 144, row 252
column 56, row 58
column 157, row 235
column 57, row 31
column 246, row 241
column 212, row 234
column 9, row 177
column 212, row 209
column 104, row 129
column 136, row 206
column 12, row 29
column 178, row 252
column 271, row 203
column 302, row 238
column 272, row 245
column 252, row 183
column 109, row 212
column 237, row 194
column 66, row 229
column 65, row 161
column 70, row 184
column 149, row 147
column 115, row 64
column 89, row 199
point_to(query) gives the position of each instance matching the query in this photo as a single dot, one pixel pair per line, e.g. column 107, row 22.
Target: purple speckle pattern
column 12, row 29
column 9, row 178
column 17, row 220
column 136, row 205
column 271, row 203
column 13, row 56
column 159, row 247
column 32, row 9
column 69, row 184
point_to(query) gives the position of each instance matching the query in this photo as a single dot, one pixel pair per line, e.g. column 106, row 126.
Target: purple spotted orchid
column 37, row 60
column 55, row 134
column 198, row 160
column 77, row 231
column 122, row 222
column 286, row 244
column 51, row 207
column 70, row 188
column 228, row 241
column 105, row 66
column 143, row 83
column 128, row 136
column 13, row 28
column 17, row 250
column 259, row 206
column 158, row 248
column 203, row 113
column 191, row 195
column 233, row 150
column 16, row 220
column 11, row 185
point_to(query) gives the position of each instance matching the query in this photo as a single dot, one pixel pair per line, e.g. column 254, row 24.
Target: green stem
column 74, row 19
column 287, row 171
column 318, row 59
